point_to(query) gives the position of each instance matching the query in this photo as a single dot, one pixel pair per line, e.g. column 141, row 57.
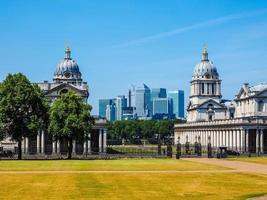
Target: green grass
column 145, row 186
column 259, row 160
column 121, row 164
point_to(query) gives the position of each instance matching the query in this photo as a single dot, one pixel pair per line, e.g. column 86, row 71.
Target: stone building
column 66, row 77
column 240, row 124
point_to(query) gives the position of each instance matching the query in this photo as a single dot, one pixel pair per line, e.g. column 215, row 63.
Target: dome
column 67, row 68
column 205, row 68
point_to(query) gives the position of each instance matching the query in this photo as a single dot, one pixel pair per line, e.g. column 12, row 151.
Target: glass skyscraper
column 102, row 106
column 158, row 93
column 111, row 112
column 176, row 100
column 160, row 106
column 143, row 102
column 121, row 104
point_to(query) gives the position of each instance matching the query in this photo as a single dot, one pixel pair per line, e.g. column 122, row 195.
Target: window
column 260, row 106
column 208, row 88
column 202, row 86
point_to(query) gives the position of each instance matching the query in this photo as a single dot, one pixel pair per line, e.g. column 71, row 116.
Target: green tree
column 23, row 109
column 70, row 119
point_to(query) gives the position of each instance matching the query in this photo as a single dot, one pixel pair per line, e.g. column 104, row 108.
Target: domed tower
column 205, row 88
column 68, row 70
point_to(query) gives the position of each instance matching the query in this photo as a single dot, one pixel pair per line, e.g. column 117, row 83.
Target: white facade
column 240, row 125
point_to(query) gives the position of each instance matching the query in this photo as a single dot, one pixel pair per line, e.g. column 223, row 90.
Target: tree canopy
column 23, row 109
column 142, row 129
column 69, row 119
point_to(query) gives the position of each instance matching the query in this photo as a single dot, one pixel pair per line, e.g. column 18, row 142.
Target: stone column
column 247, row 142
column 241, row 143
column 26, row 145
column 23, row 145
column 85, row 147
column 58, row 146
column 73, row 147
column 100, row 140
column 230, row 139
column 105, row 140
column 257, row 140
column 38, row 142
column 43, row 142
column 54, row 146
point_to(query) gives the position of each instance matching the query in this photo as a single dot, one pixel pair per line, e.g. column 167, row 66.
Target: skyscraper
column 158, row 93
column 103, row 103
column 160, row 106
column 111, row 112
column 121, row 104
column 143, row 101
column 176, row 99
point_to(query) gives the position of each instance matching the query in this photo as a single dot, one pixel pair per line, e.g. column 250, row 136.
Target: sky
column 120, row 43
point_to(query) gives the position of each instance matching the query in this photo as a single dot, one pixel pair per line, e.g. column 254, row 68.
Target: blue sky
column 118, row 43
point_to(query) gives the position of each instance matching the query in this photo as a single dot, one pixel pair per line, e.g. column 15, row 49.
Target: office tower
column 111, row 112
column 121, row 104
column 160, row 106
column 176, row 99
column 143, row 102
column 158, row 93
column 103, row 106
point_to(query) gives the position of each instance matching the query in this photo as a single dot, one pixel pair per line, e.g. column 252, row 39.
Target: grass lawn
column 158, row 186
column 259, row 160
column 121, row 164
column 130, row 186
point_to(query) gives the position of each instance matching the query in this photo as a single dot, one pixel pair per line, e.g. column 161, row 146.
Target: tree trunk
column 19, row 150
column 70, row 149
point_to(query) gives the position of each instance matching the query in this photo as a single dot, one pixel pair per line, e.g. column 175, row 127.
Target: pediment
column 65, row 86
column 243, row 93
column 206, row 104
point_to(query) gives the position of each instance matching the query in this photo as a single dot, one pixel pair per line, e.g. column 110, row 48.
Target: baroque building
column 67, row 77
column 240, row 124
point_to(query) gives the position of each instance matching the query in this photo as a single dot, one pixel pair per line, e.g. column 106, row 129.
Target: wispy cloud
column 203, row 24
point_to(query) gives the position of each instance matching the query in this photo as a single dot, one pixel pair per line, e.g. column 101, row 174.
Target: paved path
column 236, row 165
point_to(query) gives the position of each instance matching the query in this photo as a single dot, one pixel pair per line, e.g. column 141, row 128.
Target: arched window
column 260, row 106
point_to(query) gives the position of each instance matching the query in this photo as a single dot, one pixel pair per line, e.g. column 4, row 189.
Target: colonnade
column 234, row 139
column 41, row 144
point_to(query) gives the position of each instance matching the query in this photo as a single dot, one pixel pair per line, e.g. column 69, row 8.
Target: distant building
column 111, row 112
column 158, row 93
column 160, row 106
column 143, row 101
column 102, row 105
column 176, row 101
column 121, row 104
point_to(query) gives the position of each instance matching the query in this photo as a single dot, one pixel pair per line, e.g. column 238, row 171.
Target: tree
column 69, row 119
column 23, row 109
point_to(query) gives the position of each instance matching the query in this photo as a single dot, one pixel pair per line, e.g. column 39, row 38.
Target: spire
column 205, row 54
column 67, row 53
